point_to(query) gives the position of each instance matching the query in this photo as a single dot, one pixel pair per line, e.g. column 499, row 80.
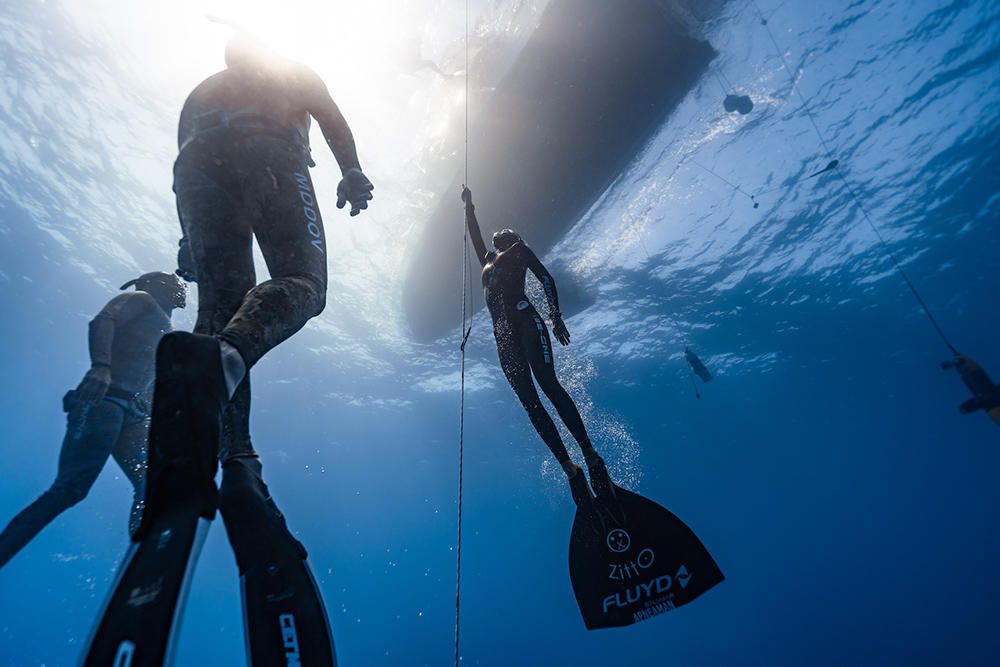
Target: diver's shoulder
column 303, row 75
column 138, row 300
column 208, row 86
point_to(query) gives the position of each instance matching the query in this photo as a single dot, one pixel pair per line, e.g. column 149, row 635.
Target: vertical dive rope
column 466, row 330
column 850, row 190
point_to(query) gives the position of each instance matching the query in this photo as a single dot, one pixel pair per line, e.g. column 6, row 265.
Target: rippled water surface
column 852, row 508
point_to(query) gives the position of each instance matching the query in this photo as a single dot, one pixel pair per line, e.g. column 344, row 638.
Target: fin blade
column 140, row 620
column 284, row 617
column 647, row 564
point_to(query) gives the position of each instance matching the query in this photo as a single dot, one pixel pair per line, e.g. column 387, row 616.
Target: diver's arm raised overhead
column 473, row 225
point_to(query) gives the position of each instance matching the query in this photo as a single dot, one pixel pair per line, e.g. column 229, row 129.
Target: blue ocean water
column 852, row 508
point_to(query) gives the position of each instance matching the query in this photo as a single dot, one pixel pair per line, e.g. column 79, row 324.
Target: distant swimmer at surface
column 242, row 173
column 107, row 415
column 985, row 394
column 525, row 349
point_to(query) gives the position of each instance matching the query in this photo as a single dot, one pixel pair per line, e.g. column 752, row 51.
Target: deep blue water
column 852, row 508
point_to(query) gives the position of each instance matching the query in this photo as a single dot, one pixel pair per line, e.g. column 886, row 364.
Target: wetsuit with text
column 523, row 343
column 242, row 173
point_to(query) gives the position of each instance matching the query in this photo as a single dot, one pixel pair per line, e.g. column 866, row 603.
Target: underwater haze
column 826, row 467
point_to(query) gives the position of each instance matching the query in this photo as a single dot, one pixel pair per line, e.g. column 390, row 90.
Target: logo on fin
column 290, row 639
column 618, row 540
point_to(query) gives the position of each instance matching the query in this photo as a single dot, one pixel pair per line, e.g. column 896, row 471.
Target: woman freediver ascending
column 525, row 349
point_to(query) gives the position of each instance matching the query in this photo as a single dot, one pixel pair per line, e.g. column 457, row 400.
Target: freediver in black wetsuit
column 107, row 415
column 658, row 547
column 525, row 349
column 985, row 394
column 242, row 173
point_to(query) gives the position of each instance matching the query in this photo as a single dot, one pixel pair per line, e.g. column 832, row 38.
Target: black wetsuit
column 115, row 426
column 523, row 343
column 986, row 394
column 242, row 173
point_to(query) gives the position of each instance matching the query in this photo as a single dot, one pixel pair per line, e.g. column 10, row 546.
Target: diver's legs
column 538, row 351
column 221, row 239
column 254, row 524
column 289, row 230
column 538, row 347
column 515, row 367
column 130, row 455
column 90, row 435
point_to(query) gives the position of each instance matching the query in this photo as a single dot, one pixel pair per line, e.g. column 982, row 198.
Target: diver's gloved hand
column 185, row 262
column 355, row 188
column 94, row 385
column 559, row 328
column 467, row 196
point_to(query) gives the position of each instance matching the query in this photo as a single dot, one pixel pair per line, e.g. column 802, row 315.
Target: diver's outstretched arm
column 544, row 277
column 551, row 295
column 473, row 224
column 355, row 186
column 331, row 121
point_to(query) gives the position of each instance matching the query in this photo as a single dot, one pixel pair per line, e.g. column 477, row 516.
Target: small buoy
column 741, row 103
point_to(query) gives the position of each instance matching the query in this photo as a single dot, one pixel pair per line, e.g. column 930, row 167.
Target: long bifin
column 139, row 623
column 631, row 559
column 285, row 620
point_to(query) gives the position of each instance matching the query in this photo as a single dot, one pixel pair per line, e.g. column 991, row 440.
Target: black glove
column 185, row 262
column 355, row 188
column 559, row 328
column 467, row 196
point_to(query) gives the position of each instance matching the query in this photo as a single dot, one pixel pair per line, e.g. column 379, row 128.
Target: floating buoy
column 741, row 103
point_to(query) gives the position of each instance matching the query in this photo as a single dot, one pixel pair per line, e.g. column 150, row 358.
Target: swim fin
column 631, row 559
column 188, row 399
column 139, row 622
column 285, row 620
column 137, row 625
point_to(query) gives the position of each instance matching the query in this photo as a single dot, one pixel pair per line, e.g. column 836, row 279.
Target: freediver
column 985, row 394
column 108, row 413
column 242, row 172
column 525, row 349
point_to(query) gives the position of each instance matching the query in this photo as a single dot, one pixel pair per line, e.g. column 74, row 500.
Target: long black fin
column 284, row 616
column 140, row 620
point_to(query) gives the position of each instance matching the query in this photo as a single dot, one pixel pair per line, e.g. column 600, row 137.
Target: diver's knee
column 68, row 494
column 316, row 294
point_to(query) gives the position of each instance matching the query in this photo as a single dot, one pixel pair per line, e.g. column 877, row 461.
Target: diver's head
column 505, row 238
column 167, row 288
column 244, row 51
